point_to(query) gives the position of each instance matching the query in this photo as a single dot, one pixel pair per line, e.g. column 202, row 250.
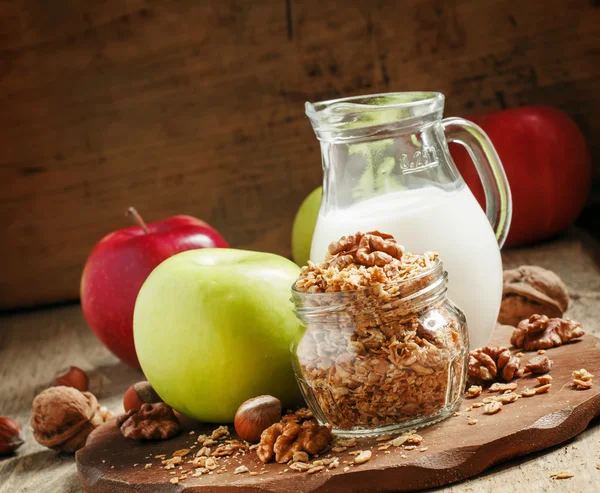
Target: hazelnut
column 10, row 436
column 73, row 377
column 138, row 394
column 255, row 415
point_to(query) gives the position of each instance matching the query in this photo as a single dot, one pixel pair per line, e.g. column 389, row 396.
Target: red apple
column 120, row 263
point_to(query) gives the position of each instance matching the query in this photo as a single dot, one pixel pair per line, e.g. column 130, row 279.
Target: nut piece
column 281, row 440
column 73, row 377
column 362, row 457
column 539, row 365
column 541, row 332
column 530, row 289
column 10, row 436
column 582, row 384
column 544, row 379
column 490, row 361
column 255, row 415
column 492, row 408
column 63, row 417
column 543, row 389
column 582, row 374
column 474, row 391
column 139, row 393
column 152, row 422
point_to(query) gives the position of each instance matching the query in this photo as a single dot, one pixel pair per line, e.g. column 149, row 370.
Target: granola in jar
column 383, row 349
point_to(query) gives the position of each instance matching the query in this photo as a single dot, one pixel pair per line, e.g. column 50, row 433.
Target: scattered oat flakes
column 346, row 469
column 161, row 456
column 253, row 473
column 220, row 432
column 384, row 446
column 561, row 475
column 472, row 421
column 544, row 389
column 300, row 456
column 210, row 464
column 410, row 447
column 544, row 379
column 396, row 442
column 474, row 391
column 299, row 466
column 383, row 438
column 347, row 442
column 501, row 387
column 334, row 464
column 582, row 374
column 527, row 392
column 582, row 384
column 181, row 452
column 423, row 449
column 204, row 451
column 507, row 398
column 315, row 469
column 241, row 469
column 209, row 442
column 174, row 480
column 363, row 457
column 492, row 408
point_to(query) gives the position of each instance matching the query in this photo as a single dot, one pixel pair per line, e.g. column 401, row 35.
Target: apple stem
column 135, row 215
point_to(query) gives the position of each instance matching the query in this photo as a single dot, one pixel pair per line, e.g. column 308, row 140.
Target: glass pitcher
column 387, row 167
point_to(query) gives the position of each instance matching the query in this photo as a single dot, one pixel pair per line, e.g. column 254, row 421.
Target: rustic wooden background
column 196, row 107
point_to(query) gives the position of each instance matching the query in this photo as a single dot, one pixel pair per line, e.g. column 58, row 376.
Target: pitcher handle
column 498, row 200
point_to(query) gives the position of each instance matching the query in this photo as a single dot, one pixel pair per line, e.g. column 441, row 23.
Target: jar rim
column 436, row 271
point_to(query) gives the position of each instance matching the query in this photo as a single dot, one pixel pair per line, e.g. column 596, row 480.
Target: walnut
column 488, row 362
column 282, row 440
column 541, row 332
column 370, row 249
column 530, row 289
column 63, row 417
column 152, row 422
column 539, row 365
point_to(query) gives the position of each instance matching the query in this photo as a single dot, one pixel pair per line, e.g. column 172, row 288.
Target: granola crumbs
column 362, row 457
column 474, row 391
column 582, row 374
column 561, row 475
column 544, row 379
column 544, row 389
column 492, row 408
column 315, row 469
column 181, row 453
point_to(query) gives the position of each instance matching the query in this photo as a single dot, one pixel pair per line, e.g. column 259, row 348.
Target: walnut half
column 282, row 440
column 152, row 422
column 488, row 362
column 541, row 332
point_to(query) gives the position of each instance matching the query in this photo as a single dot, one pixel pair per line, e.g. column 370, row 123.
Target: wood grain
column 197, row 107
column 455, row 450
column 35, row 345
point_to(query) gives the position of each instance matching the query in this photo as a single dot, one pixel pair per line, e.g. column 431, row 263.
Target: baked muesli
column 383, row 346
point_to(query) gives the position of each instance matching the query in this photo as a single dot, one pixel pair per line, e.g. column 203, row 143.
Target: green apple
column 214, row 327
column 304, row 226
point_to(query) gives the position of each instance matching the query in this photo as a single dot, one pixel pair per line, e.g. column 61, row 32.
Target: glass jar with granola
column 384, row 349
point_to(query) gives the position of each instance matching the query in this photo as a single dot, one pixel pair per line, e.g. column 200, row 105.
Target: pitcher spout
column 378, row 115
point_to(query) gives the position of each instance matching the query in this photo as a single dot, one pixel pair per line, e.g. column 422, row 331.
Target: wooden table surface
column 35, row 345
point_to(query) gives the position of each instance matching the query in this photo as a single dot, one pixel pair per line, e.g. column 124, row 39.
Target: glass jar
column 382, row 359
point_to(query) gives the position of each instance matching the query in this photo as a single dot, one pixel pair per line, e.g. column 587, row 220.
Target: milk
column 431, row 219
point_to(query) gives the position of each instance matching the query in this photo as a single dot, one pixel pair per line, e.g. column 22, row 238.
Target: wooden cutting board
column 454, row 450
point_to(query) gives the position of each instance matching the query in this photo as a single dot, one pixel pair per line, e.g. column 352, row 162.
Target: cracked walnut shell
column 63, row 417
column 541, row 332
column 282, row 440
column 489, row 362
column 530, row 289
column 152, row 422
